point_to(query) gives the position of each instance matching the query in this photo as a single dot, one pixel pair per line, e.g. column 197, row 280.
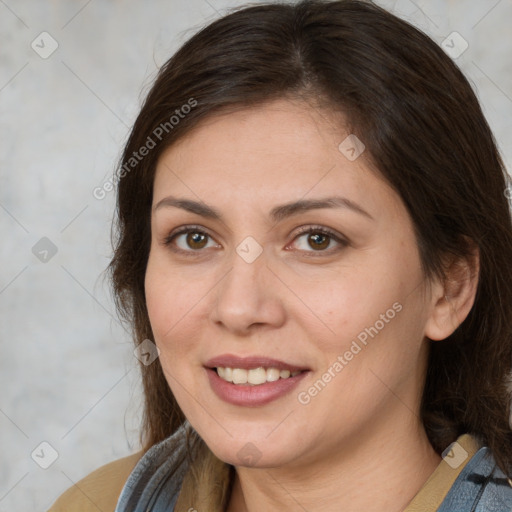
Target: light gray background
column 67, row 372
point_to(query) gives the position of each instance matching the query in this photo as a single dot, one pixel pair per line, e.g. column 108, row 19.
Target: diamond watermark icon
column 44, row 45
column 454, row 45
column 249, row 249
column 249, row 454
column 455, row 455
column 44, row 455
column 508, row 191
column 44, row 249
column 351, row 147
column 146, row 352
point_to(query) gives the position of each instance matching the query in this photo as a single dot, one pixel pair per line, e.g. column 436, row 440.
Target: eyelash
column 302, row 231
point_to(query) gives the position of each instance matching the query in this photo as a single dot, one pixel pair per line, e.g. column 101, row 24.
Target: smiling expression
column 272, row 252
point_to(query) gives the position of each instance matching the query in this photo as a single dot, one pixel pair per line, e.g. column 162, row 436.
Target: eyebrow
column 277, row 213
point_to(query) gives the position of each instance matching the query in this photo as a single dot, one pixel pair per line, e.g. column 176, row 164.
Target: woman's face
column 246, row 288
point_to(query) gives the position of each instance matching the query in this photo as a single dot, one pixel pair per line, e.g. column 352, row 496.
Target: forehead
column 273, row 153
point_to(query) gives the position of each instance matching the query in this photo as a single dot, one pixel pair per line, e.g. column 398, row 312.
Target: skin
column 359, row 444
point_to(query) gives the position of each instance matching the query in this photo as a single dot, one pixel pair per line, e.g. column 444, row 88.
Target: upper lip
column 251, row 362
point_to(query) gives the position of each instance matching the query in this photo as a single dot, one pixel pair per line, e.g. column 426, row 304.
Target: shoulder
column 100, row 489
column 495, row 487
column 480, row 486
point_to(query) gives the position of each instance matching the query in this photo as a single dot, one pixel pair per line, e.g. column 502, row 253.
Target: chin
column 254, row 454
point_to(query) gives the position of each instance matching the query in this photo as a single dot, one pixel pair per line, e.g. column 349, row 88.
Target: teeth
column 239, row 376
column 257, row 376
column 273, row 374
column 254, row 376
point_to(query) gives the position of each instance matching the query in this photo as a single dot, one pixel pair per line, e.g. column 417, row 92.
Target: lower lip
column 252, row 396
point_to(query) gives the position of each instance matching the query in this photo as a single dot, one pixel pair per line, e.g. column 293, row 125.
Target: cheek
column 170, row 300
column 348, row 302
column 377, row 305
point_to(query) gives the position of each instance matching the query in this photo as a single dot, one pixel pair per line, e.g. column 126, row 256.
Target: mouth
column 252, row 381
column 254, row 376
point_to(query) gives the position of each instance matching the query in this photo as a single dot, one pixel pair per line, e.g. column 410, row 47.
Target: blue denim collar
column 156, row 480
column 480, row 487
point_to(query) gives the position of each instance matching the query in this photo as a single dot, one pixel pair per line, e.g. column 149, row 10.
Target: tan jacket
column 100, row 490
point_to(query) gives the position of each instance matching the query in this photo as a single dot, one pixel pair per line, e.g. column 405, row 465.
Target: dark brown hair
column 425, row 133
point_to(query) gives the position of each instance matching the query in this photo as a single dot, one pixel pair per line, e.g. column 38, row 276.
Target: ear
column 453, row 298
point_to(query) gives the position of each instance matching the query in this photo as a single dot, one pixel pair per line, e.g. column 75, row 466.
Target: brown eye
column 196, row 240
column 188, row 240
column 319, row 239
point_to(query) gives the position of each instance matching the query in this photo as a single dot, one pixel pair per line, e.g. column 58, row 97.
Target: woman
column 313, row 251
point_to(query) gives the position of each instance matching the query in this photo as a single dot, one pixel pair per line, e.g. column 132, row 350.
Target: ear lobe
column 452, row 299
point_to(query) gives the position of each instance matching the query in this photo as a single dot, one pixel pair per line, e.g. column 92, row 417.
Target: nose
column 248, row 297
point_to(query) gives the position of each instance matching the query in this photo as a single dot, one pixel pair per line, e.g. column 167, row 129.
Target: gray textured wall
column 68, row 376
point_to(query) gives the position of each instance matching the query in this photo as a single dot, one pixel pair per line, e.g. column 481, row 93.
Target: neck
column 383, row 472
